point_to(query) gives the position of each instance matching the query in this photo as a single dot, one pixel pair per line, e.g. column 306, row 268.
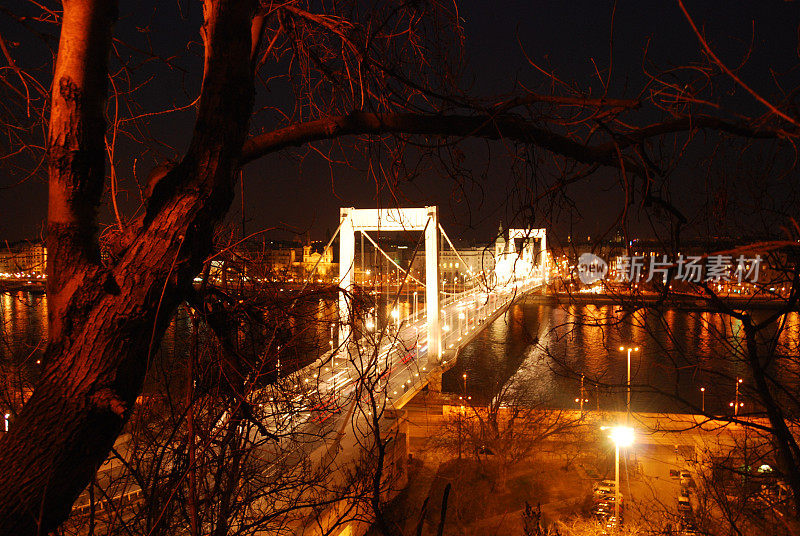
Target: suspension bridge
column 412, row 351
column 380, row 364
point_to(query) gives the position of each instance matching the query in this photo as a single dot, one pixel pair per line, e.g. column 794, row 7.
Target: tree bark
column 106, row 321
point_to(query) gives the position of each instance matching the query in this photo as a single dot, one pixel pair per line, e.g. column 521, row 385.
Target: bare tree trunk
column 106, row 321
column 192, row 506
column 787, row 448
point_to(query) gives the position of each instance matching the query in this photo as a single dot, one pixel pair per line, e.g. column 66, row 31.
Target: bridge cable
column 314, row 269
column 450, row 243
column 391, row 260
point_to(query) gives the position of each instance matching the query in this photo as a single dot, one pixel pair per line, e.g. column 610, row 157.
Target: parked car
column 605, row 508
column 683, row 504
column 602, row 509
column 611, row 522
column 608, row 497
column 604, row 487
column 686, row 478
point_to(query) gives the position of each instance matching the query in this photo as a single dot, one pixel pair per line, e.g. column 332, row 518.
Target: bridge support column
column 435, row 381
column 543, row 258
column 432, row 286
column 347, row 253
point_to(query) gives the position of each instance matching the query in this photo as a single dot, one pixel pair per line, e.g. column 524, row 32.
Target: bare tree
column 358, row 72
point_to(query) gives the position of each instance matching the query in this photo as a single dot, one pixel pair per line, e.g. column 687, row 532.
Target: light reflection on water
column 544, row 347
column 23, row 325
column 679, row 352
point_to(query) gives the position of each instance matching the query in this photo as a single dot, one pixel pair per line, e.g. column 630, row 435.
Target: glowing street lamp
column 622, row 436
column 703, row 399
column 582, row 398
column 736, row 404
column 629, row 349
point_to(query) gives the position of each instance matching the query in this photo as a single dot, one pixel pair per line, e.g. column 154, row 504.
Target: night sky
column 299, row 192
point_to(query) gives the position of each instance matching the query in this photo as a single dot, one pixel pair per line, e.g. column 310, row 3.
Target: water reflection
column 23, row 326
column 542, row 348
column 680, row 352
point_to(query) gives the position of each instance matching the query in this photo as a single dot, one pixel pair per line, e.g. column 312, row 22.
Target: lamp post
column 736, row 405
column 333, row 345
column 628, row 404
column 703, row 399
column 582, row 398
column 622, row 436
column 415, row 305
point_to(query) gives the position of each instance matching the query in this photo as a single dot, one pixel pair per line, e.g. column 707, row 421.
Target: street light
column 582, row 398
column 622, row 436
column 736, row 404
column 629, row 349
column 703, row 399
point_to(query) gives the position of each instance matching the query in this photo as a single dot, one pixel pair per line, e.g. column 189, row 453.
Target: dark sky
column 571, row 38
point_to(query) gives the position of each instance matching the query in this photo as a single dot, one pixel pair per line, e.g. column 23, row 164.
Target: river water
column 540, row 348
column 543, row 350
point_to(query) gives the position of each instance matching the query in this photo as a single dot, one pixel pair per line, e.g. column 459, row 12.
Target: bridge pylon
column 424, row 219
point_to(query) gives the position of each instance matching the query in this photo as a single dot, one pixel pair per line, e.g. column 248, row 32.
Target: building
column 23, row 259
column 314, row 255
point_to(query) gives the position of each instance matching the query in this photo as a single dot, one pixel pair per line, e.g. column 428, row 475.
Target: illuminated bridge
column 410, row 352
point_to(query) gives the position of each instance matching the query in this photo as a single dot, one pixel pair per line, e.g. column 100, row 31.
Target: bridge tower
column 529, row 252
column 518, row 257
column 392, row 219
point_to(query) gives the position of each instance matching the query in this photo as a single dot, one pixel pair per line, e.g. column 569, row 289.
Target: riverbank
column 684, row 302
column 36, row 286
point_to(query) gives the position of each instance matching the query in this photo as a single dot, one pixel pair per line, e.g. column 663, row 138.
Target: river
column 542, row 348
